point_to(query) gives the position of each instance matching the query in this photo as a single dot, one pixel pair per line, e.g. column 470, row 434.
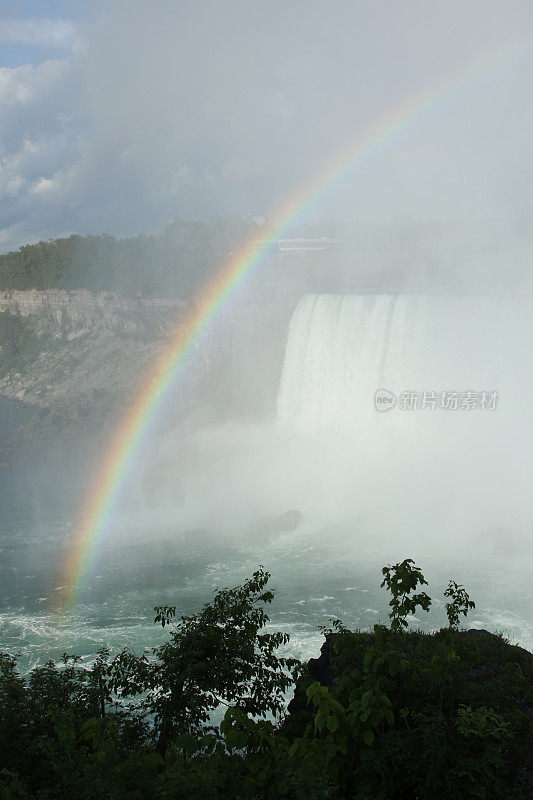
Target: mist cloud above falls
column 176, row 109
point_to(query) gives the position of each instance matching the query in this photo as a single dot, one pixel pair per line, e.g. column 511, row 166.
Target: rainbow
column 127, row 439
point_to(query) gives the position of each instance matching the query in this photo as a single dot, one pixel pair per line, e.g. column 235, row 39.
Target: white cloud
column 38, row 31
column 47, row 185
column 25, row 84
column 39, row 144
column 189, row 109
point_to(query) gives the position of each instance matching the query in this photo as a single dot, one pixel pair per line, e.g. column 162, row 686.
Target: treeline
column 389, row 714
column 175, row 262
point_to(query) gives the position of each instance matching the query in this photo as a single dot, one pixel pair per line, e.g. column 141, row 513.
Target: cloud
column 194, row 109
column 38, row 31
column 25, row 84
column 232, row 106
column 40, row 143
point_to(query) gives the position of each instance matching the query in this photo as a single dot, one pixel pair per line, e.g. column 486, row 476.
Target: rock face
column 321, row 669
column 103, row 341
column 90, row 342
column 74, row 311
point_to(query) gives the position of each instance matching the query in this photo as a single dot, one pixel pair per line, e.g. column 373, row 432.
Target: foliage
column 460, row 603
column 176, row 262
column 215, row 657
column 405, row 714
column 401, row 580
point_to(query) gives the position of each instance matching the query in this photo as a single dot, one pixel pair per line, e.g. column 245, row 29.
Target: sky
column 117, row 117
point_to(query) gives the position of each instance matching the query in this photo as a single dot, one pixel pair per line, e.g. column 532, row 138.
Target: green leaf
column 332, row 723
column 368, row 737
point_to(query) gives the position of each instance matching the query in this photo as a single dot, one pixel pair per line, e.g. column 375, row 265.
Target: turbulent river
column 443, row 476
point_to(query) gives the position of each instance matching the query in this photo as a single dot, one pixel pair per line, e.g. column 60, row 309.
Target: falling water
column 342, row 348
column 452, row 458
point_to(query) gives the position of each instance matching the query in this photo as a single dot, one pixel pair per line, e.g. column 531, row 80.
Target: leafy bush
column 401, row 580
column 460, row 603
column 405, row 714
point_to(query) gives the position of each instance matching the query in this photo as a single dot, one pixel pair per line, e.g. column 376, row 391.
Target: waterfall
column 463, row 470
column 341, row 349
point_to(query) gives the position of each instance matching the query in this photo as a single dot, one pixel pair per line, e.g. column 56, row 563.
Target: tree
column 216, row 657
column 401, row 580
column 460, row 603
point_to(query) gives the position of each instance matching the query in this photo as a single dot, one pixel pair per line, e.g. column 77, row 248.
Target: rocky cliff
column 85, row 343
column 88, row 343
column 74, row 311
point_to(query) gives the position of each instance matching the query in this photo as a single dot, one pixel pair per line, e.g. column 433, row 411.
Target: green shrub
column 460, row 603
column 407, row 714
